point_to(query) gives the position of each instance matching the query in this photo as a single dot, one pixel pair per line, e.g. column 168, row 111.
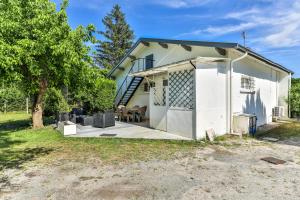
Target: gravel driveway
column 213, row 172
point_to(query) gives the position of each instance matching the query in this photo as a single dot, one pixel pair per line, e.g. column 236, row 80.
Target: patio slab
column 125, row 130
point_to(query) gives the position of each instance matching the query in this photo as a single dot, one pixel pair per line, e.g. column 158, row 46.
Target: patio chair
column 141, row 113
column 125, row 114
column 118, row 113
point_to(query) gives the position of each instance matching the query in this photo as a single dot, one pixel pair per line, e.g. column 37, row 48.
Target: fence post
column 5, row 107
column 27, row 105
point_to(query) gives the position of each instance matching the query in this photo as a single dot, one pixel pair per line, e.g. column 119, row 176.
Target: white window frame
column 247, row 84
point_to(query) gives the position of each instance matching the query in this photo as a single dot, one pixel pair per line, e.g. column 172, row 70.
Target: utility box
column 244, row 124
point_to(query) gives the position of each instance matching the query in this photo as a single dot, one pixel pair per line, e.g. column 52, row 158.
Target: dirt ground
column 213, row 172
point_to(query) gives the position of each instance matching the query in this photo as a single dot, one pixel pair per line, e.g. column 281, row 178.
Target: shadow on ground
column 15, row 158
column 10, row 155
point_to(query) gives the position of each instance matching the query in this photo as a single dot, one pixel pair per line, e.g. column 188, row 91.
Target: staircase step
column 135, row 82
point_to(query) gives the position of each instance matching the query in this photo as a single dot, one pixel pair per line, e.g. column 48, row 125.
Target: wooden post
column 5, row 107
column 27, row 105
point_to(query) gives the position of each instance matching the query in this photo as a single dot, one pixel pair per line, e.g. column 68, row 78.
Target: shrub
column 54, row 102
column 295, row 97
column 12, row 99
column 96, row 92
column 102, row 95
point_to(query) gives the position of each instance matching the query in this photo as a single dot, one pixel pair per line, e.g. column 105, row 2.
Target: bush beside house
column 97, row 93
column 295, row 97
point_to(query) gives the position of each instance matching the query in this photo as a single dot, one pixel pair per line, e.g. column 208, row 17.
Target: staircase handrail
column 119, row 93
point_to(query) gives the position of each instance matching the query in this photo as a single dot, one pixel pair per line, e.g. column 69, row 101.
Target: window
column 149, row 61
column 165, row 82
column 247, row 84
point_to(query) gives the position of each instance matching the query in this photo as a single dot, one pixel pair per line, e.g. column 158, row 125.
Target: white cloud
column 222, row 30
column 182, row 3
column 275, row 26
column 245, row 13
column 219, row 30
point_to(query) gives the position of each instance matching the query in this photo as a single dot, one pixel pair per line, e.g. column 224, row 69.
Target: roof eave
column 200, row 43
column 186, row 42
column 262, row 58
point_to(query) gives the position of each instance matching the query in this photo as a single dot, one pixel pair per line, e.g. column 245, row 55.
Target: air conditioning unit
column 278, row 111
column 244, row 124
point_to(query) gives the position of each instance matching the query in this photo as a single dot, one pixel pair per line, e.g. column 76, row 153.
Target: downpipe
column 231, row 87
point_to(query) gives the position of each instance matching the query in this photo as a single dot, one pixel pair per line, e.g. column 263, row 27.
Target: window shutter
column 149, row 61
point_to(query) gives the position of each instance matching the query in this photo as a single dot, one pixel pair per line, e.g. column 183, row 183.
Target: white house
column 192, row 86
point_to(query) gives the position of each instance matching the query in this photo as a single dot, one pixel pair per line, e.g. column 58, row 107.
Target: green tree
column 118, row 39
column 295, row 96
column 39, row 49
column 98, row 92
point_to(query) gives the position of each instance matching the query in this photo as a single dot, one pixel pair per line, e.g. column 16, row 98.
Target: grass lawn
column 285, row 131
column 20, row 144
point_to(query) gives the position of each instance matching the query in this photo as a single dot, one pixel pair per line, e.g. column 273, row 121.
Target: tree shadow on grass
column 13, row 159
column 12, row 125
column 17, row 125
column 6, row 141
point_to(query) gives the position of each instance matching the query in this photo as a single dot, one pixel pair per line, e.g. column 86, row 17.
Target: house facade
column 192, row 86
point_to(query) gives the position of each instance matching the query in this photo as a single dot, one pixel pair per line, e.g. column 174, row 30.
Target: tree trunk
column 37, row 109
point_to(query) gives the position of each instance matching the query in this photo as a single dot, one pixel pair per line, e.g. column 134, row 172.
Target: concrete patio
column 126, row 130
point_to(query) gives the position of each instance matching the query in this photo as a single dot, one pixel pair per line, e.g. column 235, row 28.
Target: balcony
column 141, row 64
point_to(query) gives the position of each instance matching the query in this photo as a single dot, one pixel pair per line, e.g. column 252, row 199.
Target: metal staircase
column 130, row 83
column 132, row 87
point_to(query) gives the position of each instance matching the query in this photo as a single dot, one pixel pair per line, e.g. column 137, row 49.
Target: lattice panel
column 181, row 89
column 159, row 96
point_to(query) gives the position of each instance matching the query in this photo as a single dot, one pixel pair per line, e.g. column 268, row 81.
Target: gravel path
column 214, row 172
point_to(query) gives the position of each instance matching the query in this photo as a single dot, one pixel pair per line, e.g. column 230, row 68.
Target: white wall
column 212, row 105
column 283, row 91
column 180, row 122
column 210, row 98
column 267, row 89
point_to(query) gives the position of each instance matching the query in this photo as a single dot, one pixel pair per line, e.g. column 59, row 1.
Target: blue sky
column 272, row 26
